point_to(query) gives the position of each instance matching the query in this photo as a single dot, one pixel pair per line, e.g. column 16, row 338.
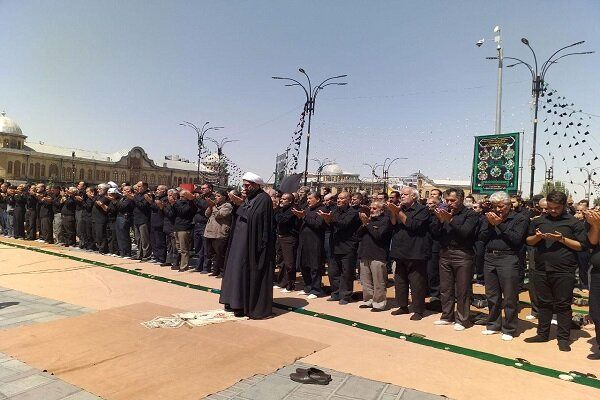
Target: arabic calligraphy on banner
column 496, row 163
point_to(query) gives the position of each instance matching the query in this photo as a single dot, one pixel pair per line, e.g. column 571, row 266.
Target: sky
column 110, row 75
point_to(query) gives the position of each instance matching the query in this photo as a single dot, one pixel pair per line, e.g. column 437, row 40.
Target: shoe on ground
column 165, row 264
column 459, row 327
column 489, row 332
column 564, row 346
column 530, row 317
column 343, row 302
column 536, row 339
column 506, row 337
column 400, row 311
column 284, row 290
column 365, row 305
column 442, row 322
column 333, row 298
column 301, row 293
column 312, row 296
column 375, row 309
column 204, row 272
column 416, row 317
column 174, row 267
column 276, row 287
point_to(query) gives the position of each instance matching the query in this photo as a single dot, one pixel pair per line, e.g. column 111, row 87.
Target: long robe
column 248, row 281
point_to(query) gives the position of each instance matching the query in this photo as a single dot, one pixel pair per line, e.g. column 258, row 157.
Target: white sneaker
column 459, row 327
column 554, row 322
column 301, row 293
column 530, row 317
column 442, row 322
column 284, row 290
column 489, row 332
column 276, row 287
column 311, row 296
column 506, row 337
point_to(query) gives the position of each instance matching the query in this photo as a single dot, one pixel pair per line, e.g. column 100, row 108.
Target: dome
column 332, row 169
column 9, row 126
column 212, row 158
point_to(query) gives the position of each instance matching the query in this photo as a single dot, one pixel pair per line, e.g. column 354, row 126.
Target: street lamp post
column 220, row 144
column 200, row 132
column 500, row 58
column 589, row 173
column 73, row 166
column 386, row 170
column 538, row 76
column 320, row 165
column 309, row 107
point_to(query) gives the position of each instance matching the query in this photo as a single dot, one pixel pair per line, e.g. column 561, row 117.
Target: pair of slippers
column 310, row 375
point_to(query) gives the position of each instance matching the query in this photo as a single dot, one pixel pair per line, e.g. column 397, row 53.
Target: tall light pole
column 309, row 107
column 545, row 166
column 320, row 165
column 590, row 173
column 220, row 144
column 500, row 58
column 538, row 88
column 386, row 170
column 200, row 132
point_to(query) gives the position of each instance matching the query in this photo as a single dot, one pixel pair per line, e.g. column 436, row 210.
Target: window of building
column 152, row 179
column 81, row 174
column 31, row 170
column 53, row 171
column 37, row 170
column 6, row 143
column 102, row 175
column 145, row 177
column 43, row 171
column 185, row 179
column 115, row 177
column 13, row 144
column 17, row 168
column 9, row 167
column 123, row 177
column 64, row 173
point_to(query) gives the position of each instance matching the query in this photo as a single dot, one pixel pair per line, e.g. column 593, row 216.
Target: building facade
column 425, row 185
column 334, row 177
column 23, row 161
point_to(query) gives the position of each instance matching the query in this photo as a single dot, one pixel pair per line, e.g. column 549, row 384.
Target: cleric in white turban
column 247, row 286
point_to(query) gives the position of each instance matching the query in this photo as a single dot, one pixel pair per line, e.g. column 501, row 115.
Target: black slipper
column 314, row 372
column 308, row 378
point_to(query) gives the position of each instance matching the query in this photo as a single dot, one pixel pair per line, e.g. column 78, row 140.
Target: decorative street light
column 200, row 132
column 589, row 173
column 309, row 106
column 538, row 88
column 220, row 144
column 386, row 170
column 500, row 58
column 320, row 165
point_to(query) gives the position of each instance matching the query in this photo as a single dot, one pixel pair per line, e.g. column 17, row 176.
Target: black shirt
column 287, row 223
column 184, row 215
column 141, row 211
column 410, row 240
column 554, row 256
column 375, row 239
column 200, row 218
column 509, row 235
column 125, row 208
column 460, row 232
column 345, row 223
column 68, row 207
column 46, row 210
column 157, row 216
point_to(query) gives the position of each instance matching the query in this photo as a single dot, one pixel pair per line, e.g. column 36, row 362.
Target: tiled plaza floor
column 278, row 386
column 19, row 381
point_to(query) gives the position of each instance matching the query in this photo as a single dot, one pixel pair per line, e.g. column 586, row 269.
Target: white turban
column 113, row 190
column 252, row 177
column 112, row 184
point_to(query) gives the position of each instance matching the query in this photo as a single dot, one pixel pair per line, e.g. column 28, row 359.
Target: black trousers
column 86, row 240
column 555, row 294
column 595, row 300
column 341, row 275
column 111, row 236
column 79, row 227
column 19, row 222
column 502, row 280
column 456, row 275
column 583, row 259
column 479, row 249
column 67, row 225
column 530, row 271
column 31, row 224
column 123, row 226
column 413, row 274
column 200, row 248
column 100, row 238
column 216, row 254
column 46, row 233
column 159, row 243
column 433, row 273
column 287, row 273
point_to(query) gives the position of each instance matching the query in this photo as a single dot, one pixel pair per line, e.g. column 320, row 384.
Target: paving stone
column 411, row 394
column 71, row 313
column 48, row 301
column 7, row 373
column 49, row 318
column 20, row 375
column 16, row 365
column 11, row 309
column 24, row 318
column 393, row 389
column 361, row 388
column 273, row 387
column 390, row 397
column 56, row 390
column 82, row 395
column 217, row 397
column 24, row 384
column 69, row 306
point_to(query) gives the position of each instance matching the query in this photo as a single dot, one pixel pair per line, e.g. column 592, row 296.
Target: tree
column 597, row 202
column 550, row 186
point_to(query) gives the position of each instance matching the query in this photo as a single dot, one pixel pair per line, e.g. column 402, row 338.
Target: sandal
column 319, row 374
column 306, row 377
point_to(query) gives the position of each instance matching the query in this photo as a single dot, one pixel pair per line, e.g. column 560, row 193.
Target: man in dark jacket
column 157, row 216
column 287, row 234
column 46, row 214
column 67, row 211
column 31, row 217
column 125, row 208
column 200, row 220
column 345, row 222
column 141, row 220
column 375, row 234
column 100, row 218
column 411, row 248
column 185, row 209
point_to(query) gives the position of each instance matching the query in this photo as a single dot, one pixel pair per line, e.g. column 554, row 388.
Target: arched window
column 179, row 181
column 145, row 177
column 53, row 171
column 43, row 171
column 17, row 168
column 9, row 168
column 64, row 173
column 103, row 175
column 37, row 170
column 115, row 177
column 185, row 179
column 97, row 175
column 81, row 174
column 23, row 169
column 123, row 177
column 89, row 175
column 152, row 179
column 6, row 143
column 31, row 170
column 13, row 144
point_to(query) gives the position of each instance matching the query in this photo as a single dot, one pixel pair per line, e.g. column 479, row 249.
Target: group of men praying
column 257, row 240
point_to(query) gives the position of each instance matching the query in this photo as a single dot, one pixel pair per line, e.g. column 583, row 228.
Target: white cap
column 252, row 177
column 112, row 184
column 113, row 190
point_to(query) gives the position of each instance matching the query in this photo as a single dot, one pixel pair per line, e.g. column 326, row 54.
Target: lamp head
column 480, row 42
column 301, row 70
column 525, row 41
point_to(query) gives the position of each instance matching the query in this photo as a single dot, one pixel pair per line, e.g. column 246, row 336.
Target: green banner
column 496, row 163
